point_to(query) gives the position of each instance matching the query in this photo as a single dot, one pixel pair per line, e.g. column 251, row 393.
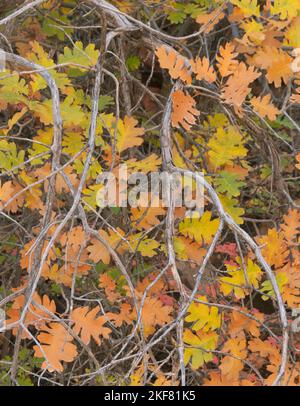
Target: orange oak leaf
column 276, row 62
column 124, row 316
column 155, row 313
column 240, row 322
column 290, row 291
column 274, row 247
column 98, row 251
column 87, row 324
column 159, row 287
column 56, row 344
column 145, row 218
column 74, row 254
column 232, row 364
column 176, row 64
column 60, row 184
column 226, row 61
column 73, row 238
column 184, row 112
column 296, row 53
column 216, row 378
column 263, row 57
column 280, row 70
column 295, row 97
column 264, row 107
column 291, row 226
column 109, row 285
column 187, row 249
column 27, row 257
column 298, row 160
column 7, row 191
column 203, row 70
column 266, row 349
column 237, row 86
column 210, row 20
column 35, row 316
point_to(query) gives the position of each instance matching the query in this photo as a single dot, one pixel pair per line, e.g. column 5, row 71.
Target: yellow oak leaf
column 128, row 134
column 199, row 347
column 239, row 278
column 225, row 146
column 203, row 317
column 201, row 229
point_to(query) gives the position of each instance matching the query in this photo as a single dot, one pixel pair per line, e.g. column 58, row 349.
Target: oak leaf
column 203, row 70
column 187, row 249
column 6, row 192
column 85, row 57
column 280, row 70
column 274, row 247
column 267, row 287
column 98, row 251
column 264, row 107
column 155, row 313
column 183, row 110
column 226, row 61
column 225, row 146
column 248, row 7
column 237, row 87
column 210, row 20
column 229, row 183
column 124, row 316
column 109, row 285
column 240, row 322
column 230, row 205
column 87, row 324
column 291, row 226
column 285, row 9
column 128, row 134
column 239, row 278
column 35, row 316
column 199, row 347
column 295, row 97
column 56, row 344
column 177, row 65
column 231, row 366
column 201, row 229
column 203, row 317
column 146, row 218
column 146, row 246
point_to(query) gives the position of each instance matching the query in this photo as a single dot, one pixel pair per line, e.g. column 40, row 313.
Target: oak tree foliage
column 146, row 293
